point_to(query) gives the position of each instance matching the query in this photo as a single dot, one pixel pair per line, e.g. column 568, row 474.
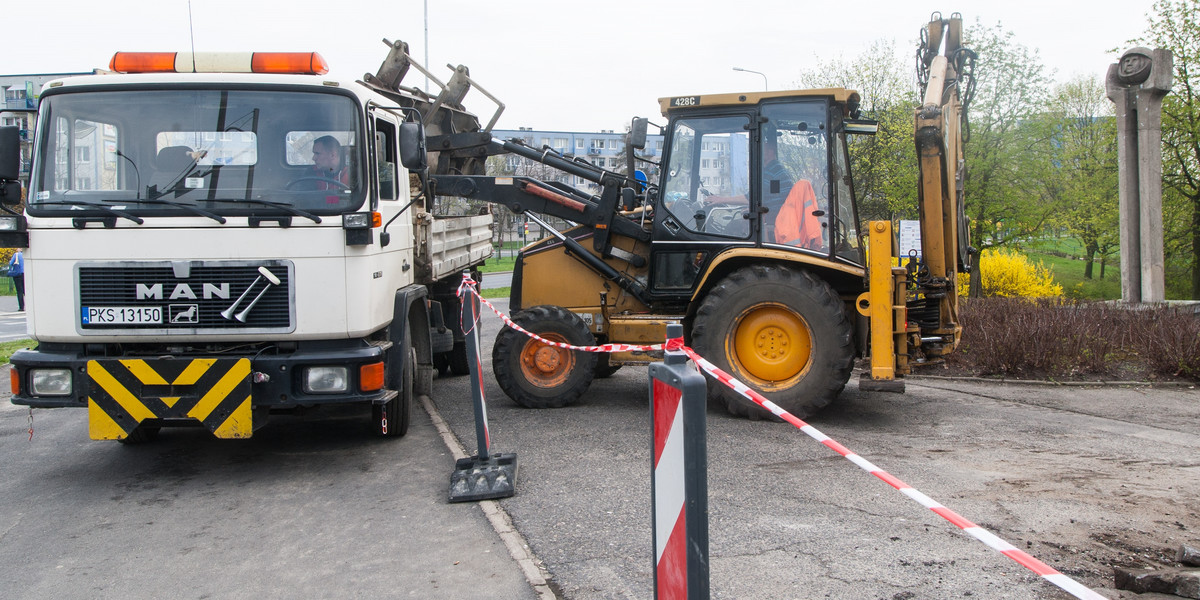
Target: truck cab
column 206, row 242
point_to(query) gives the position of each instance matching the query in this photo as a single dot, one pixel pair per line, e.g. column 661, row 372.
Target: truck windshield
column 168, row 152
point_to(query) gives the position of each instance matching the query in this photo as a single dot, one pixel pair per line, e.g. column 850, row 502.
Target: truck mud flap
column 213, row 391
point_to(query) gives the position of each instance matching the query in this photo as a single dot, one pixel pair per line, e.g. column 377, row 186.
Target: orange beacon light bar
column 304, row 63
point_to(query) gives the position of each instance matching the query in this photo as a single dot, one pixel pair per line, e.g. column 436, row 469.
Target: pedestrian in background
column 16, row 270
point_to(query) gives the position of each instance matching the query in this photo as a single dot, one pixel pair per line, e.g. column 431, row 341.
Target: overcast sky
column 559, row 65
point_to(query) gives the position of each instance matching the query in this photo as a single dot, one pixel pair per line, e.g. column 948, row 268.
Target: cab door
column 706, row 202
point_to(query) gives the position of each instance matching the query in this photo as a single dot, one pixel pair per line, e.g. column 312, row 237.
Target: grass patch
column 1068, row 272
column 498, row 265
column 8, row 348
column 1064, row 258
column 491, row 293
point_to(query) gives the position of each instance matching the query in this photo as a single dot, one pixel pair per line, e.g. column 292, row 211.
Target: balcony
column 21, row 104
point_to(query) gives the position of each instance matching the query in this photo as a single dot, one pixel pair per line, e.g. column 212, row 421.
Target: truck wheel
column 781, row 331
column 398, row 410
column 441, row 362
column 458, row 359
column 603, row 369
column 537, row 375
column 144, row 433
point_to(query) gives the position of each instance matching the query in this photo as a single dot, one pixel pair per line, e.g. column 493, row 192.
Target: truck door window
column 795, row 175
column 385, row 158
column 708, row 176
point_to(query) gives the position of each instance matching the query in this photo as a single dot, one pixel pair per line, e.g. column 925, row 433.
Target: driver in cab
column 329, row 164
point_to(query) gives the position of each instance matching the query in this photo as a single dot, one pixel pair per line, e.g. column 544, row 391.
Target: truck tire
column 457, row 359
column 398, row 410
column 536, row 375
column 144, row 433
column 454, row 361
column 603, row 369
column 783, row 332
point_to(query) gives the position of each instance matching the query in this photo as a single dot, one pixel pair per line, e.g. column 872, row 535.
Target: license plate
column 122, row 315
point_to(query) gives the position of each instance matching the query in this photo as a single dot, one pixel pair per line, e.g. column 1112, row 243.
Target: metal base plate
column 867, row 384
column 479, row 479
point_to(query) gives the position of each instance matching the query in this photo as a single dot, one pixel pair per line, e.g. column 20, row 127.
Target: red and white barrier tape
column 991, row 540
column 1043, row 570
column 468, row 284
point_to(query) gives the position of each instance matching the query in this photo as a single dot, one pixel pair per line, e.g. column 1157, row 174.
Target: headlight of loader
column 326, row 380
column 50, row 382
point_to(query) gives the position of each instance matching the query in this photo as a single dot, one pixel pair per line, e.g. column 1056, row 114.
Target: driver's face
column 325, row 158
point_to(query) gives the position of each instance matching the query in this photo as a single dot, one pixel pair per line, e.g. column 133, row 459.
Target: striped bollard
column 487, row 475
column 679, row 484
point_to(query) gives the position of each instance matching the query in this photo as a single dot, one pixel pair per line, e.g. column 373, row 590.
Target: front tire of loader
column 536, row 375
column 781, row 331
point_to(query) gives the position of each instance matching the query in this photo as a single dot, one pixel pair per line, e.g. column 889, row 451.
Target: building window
column 579, row 143
column 614, row 144
column 84, row 154
column 560, row 143
column 597, row 144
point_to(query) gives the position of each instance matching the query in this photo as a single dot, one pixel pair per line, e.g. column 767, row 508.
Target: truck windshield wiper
column 288, row 208
column 188, row 207
column 108, row 209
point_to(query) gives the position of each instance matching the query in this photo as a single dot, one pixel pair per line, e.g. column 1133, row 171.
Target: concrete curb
column 518, row 547
column 1150, row 384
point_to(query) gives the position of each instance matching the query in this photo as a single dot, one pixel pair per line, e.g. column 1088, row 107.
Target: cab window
column 708, row 177
column 795, row 175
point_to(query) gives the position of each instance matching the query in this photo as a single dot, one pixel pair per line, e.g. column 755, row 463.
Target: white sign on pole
column 910, row 238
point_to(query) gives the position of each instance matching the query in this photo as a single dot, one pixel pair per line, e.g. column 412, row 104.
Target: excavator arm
column 916, row 308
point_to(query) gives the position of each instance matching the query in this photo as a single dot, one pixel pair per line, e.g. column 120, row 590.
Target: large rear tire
column 537, row 375
column 783, row 332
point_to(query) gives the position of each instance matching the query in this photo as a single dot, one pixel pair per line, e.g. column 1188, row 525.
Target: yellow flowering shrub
column 1010, row 274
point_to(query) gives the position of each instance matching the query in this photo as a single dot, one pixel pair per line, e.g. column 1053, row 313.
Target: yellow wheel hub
column 772, row 344
column 546, row 366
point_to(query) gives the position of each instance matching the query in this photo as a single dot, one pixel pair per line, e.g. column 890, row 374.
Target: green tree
column 1175, row 25
column 1076, row 145
column 1006, row 199
column 884, row 165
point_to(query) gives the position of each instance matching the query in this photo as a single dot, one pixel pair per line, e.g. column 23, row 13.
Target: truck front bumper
column 220, row 390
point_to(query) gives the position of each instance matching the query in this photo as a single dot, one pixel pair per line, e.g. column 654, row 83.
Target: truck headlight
column 326, row 380
column 50, row 382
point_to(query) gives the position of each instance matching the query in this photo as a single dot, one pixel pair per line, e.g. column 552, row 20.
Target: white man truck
column 189, row 262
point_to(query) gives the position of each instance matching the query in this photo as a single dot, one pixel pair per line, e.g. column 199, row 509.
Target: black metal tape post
column 486, row 475
column 679, row 481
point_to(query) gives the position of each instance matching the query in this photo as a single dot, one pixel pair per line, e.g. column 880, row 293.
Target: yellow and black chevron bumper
column 213, row 391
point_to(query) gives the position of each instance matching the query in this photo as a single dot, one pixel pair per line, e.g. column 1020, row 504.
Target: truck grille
column 175, row 297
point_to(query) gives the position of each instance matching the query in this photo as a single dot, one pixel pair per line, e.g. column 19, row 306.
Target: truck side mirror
column 10, row 153
column 637, row 132
column 412, row 146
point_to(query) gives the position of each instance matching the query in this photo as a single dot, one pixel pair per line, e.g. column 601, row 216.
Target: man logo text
column 182, row 291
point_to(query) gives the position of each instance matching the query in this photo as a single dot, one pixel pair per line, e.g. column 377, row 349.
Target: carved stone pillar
column 1136, row 85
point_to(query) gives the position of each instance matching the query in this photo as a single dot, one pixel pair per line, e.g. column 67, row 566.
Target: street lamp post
column 766, row 86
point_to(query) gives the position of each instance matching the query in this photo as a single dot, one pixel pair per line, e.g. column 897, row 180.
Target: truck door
column 706, row 198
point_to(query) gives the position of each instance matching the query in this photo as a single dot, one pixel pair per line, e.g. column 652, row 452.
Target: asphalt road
column 311, row 507
column 497, row 280
column 1081, row 478
column 12, row 322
